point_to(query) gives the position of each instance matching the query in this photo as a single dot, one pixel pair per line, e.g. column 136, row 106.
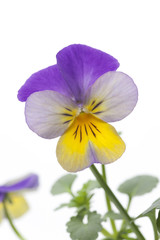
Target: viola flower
column 75, row 99
column 11, row 196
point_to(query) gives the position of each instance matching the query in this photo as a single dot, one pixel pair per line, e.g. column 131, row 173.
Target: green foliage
column 90, row 185
column 138, row 186
column 113, row 215
column 158, row 222
column 62, row 206
column 108, row 239
column 150, row 212
column 85, row 231
column 155, row 205
column 81, row 201
column 63, row 185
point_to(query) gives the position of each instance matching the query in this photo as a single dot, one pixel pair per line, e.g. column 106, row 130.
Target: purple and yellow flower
column 11, row 196
column 75, row 99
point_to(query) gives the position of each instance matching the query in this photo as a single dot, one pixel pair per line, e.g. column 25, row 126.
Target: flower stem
column 152, row 218
column 127, row 209
column 116, row 202
column 11, row 222
column 128, row 238
column 106, row 233
column 108, row 200
column 71, row 193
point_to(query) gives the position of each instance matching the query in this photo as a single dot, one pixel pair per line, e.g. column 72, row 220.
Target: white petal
column 112, row 97
column 48, row 113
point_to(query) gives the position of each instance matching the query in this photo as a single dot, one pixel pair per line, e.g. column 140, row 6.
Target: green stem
column 128, row 238
column 152, row 217
column 108, row 201
column 106, row 233
column 127, row 209
column 10, row 221
column 117, row 203
column 129, row 204
column 71, row 193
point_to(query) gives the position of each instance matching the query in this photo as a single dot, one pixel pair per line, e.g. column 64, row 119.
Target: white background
column 31, row 33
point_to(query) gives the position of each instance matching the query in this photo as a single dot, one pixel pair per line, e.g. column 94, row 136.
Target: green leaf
column 138, row 186
column 113, row 215
column 62, row 206
column 81, row 200
column 63, row 185
column 152, row 217
column 108, row 238
column 150, row 212
column 158, row 222
column 90, row 185
column 83, row 196
column 81, row 231
column 155, row 205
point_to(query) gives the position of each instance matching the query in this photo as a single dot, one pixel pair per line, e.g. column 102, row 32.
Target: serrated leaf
column 63, row 185
column 80, row 231
column 81, row 200
column 138, row 186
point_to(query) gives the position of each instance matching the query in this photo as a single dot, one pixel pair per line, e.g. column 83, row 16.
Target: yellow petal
column 16, row 206
column 88, row 140
column 1, row 211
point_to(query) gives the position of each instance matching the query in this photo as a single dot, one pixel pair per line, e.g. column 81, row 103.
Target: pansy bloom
column 11, row 196
column 75, row 99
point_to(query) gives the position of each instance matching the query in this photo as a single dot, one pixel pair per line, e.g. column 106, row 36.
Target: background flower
column 11, row 194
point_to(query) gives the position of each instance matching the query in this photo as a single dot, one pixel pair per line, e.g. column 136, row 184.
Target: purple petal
column 46, row 79
column 2, row 195
column 29, row 182
column 81, row 65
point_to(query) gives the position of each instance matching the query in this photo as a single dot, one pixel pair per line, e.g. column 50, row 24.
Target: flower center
column 84, row 125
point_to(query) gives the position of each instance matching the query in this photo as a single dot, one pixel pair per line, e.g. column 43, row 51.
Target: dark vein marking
column 66, row 121
column 75, row 133
column 85, row 129
column 66, row 114
column 99, row 112
column 95, row 127
column 93, row 102
column 68, row 109
column 92, row 131
column 80, row 133
column 97, row 105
